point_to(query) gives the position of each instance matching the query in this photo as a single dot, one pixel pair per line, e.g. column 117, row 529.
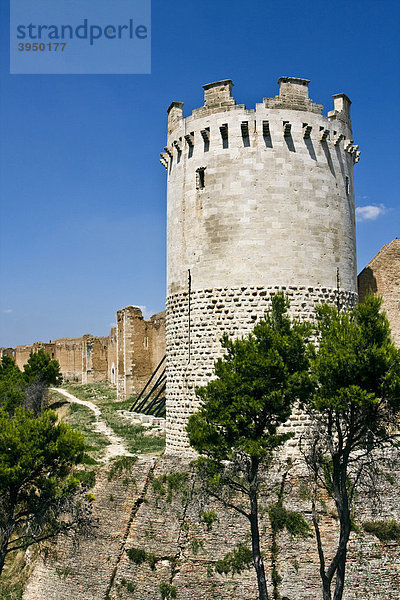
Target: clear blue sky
column 82, row 189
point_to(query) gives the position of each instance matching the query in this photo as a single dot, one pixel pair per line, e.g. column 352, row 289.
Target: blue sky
column 82, row 189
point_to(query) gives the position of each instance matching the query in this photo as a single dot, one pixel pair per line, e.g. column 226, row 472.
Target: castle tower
column 258, row 201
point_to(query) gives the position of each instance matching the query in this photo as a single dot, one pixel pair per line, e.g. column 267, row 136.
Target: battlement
column 293, row 95
column 218, row 94
column 222, row 122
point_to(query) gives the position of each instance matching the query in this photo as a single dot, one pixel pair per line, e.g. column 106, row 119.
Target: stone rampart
column 128, row 355
column 382, row 277
column 141, row 346
column 183, row 553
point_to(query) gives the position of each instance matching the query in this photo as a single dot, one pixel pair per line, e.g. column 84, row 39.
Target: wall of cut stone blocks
column 141, row 345
column 257, row 200
column 112, row 357
column 135, row 515
column 382, row 277
column 94, row 359
column 87, row 359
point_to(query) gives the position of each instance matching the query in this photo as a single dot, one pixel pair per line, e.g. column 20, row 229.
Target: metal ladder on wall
column 151, row 400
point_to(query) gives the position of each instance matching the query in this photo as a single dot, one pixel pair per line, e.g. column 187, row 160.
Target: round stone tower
column 258, row 201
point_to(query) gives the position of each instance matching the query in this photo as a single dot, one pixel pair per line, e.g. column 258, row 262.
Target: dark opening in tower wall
column 200, row 178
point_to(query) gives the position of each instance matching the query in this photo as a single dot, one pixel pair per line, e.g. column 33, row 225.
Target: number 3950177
column 42, row 47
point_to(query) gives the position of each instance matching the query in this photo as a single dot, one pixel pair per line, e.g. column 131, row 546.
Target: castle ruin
column 258, row 201
column 382, row 277
column 126, row 358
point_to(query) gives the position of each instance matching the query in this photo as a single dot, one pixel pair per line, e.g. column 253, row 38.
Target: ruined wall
column 258, row 200
column 83, row 571
column 112, row 357
column 83, row 359
column 10, row 352
column 382, row 277
column 23, row 351
column 170, row 527
column 94, row 359
column 141, row 345
column 129, row 354
column 156, row 334
column 68, row 352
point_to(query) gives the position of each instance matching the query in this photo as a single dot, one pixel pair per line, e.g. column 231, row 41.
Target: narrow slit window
column 245, row 133
column 347, row 186
column 224, row 135
column 200, row 178
column 205, row 134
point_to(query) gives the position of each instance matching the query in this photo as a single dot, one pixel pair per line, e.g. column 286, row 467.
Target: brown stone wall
column 141, row 345
column 22, row 352
column 170, row 527
column 126, row 358
column 68, row 352
column 112, row 357
column 10, row 352
column 156, row 333
column 83, row 571
column 83, row 359
column 382, row 276
column 94, row 359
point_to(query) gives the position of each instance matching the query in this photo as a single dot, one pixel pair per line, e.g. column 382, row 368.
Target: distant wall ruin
column 126, row 358
column 382, row 277
column 141, row 346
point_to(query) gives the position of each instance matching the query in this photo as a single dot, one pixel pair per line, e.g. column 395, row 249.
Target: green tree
column 355, row 407
column 38, row 496
column 12, row 385
column 235, row 430
column 40, row 367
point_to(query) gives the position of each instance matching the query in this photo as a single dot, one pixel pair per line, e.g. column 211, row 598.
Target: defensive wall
column 141, row 346
column 258, row 201
column 382, row 277
column 126, row 358
column 134, row 514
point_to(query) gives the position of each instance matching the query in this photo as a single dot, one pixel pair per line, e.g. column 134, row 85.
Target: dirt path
column 116, row 446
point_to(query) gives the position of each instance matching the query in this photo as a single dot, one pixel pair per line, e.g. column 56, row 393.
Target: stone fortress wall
column 214, row 285
column 258, row 201
column 127, row 356
column 140, row 346
column 382, row 277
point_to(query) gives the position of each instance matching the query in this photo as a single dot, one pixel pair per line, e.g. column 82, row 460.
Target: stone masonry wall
column 257, row 200
column 69, row 353
column 22, row 352
column 194, row 341
column 275, row 202
column 169, row 527
column 82, row 569
column 382, row 276
column 94, row 359
column 88, row 359
column 112, row 357
column 141, row 345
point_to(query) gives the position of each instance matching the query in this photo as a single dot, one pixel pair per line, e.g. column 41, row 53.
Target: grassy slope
column 136, row 437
